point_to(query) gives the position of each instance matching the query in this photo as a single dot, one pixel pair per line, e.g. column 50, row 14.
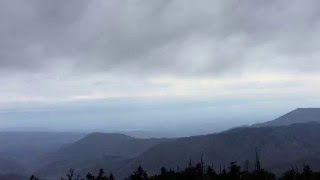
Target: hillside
column 300, row 115
column 20, row 150
column 94, row 150
column 8, row 165
column 278, row 147
column 12, row 177
column 26, row 145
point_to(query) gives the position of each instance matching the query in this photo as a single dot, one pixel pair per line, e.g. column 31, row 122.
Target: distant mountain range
column 20, row 150
column 96, row 149
column 300, row 115
column 292, row 139
column 279, row 148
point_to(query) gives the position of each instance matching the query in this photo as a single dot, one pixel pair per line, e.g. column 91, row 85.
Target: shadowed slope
column 278, row 147
column 96, row 148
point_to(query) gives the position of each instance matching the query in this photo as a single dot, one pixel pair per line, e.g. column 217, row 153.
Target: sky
column 127, row 65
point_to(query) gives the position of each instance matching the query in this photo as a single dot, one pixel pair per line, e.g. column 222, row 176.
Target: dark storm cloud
column 166, row 36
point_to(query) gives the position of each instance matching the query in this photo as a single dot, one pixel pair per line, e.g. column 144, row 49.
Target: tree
column 111, row 177
column 139, row 174
column 70, row 174
column 89, row 176
column 234, row 171
column 34, row 178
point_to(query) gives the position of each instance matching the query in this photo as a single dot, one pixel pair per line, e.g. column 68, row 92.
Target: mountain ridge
column 95, row 148
column 299, row 115
column 279, row 147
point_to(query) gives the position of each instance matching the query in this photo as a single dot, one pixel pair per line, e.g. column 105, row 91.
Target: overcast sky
column 260, row 55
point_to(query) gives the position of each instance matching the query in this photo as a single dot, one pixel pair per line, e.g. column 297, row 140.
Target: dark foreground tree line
column 200, row 171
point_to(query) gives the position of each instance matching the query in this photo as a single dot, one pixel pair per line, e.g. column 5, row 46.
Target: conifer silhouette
column 200, row 171
column 139, row 174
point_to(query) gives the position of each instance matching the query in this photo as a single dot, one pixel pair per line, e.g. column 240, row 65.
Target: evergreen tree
column 139, row 174
column 111, row 177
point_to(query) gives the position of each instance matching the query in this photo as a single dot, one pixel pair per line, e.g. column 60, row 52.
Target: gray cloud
column 168, row 54
column 168, row 36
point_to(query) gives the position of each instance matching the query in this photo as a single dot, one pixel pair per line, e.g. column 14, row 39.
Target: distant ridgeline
column 300, row 115
column 288, row 146
column 200, row 171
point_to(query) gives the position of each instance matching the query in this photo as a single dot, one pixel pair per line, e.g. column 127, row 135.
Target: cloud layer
column 156, row 37
column 135, row 64
column 61, row 51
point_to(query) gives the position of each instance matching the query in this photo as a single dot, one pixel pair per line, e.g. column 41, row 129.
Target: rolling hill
column 96, row 149
column 26, row 145
column 292, row 139
column 20, row 150
column 279, row 148
column 8, row 166
column 12, row 177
